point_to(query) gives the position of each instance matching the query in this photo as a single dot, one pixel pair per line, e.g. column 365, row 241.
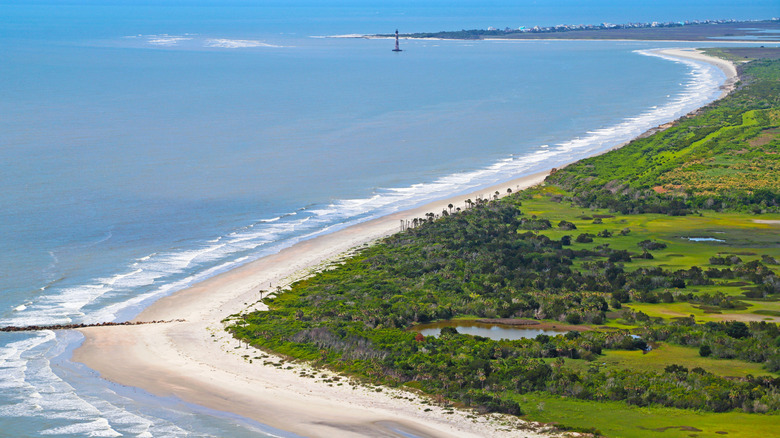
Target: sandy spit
column 198, row 362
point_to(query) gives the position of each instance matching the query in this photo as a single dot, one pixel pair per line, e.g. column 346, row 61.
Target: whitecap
column 224, row 43
column 167, row 41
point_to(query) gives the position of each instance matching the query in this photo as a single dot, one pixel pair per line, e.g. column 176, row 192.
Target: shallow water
column 492, row 331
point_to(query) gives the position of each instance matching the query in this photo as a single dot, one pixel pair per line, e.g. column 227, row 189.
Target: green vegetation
column 742, row 54
column 611, row 242
column 726, row 157
column 617, row 420
column 663, row 354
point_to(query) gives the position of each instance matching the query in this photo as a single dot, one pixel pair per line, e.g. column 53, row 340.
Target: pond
column 492, row 331
column 703, row 239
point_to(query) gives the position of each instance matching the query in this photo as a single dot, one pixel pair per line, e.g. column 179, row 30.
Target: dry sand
column 728, row 67
column 197, row 362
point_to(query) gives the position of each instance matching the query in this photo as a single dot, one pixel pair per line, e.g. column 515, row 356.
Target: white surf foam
column 166, row 40
column 224, row 43
column 35, row 393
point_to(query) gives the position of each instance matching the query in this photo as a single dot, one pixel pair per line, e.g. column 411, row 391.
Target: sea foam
column 235, row 44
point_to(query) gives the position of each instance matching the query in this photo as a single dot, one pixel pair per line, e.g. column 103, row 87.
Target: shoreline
column 198, row 362
column 624, row 40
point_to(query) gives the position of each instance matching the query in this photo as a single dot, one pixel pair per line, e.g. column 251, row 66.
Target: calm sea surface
column 146, row 147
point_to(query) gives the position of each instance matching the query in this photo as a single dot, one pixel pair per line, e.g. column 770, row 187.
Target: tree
column 705, row 350
column 737, row 329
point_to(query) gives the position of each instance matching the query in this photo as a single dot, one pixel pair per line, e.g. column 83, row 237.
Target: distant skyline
column 100, row 18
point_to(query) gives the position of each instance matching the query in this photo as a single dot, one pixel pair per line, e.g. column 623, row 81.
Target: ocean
column 145, row 146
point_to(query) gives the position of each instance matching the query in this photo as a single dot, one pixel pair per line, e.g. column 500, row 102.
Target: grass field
column 740, row 232
column 616, row 419
column 676, row 310
column 737, row 233
column 664, row 354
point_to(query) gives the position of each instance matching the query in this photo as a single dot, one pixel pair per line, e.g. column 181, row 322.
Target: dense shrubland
column 726, row 157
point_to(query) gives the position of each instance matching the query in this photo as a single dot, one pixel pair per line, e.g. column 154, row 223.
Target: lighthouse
column 397, row 49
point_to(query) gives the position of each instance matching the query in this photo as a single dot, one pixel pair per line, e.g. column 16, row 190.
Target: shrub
column 449, row 331
column 566, row 225
column 584, row 238
column 773, row 363
column 674, row 369
column 650, row 245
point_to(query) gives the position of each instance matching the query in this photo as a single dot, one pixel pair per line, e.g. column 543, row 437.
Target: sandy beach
column 198, row 362
column 726, row 66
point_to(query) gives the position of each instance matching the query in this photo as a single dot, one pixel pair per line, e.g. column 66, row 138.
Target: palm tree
column 481, row 376
column 450, row 207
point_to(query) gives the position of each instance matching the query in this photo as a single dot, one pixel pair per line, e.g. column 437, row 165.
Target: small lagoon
column 703, row 239
column 488, row 330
